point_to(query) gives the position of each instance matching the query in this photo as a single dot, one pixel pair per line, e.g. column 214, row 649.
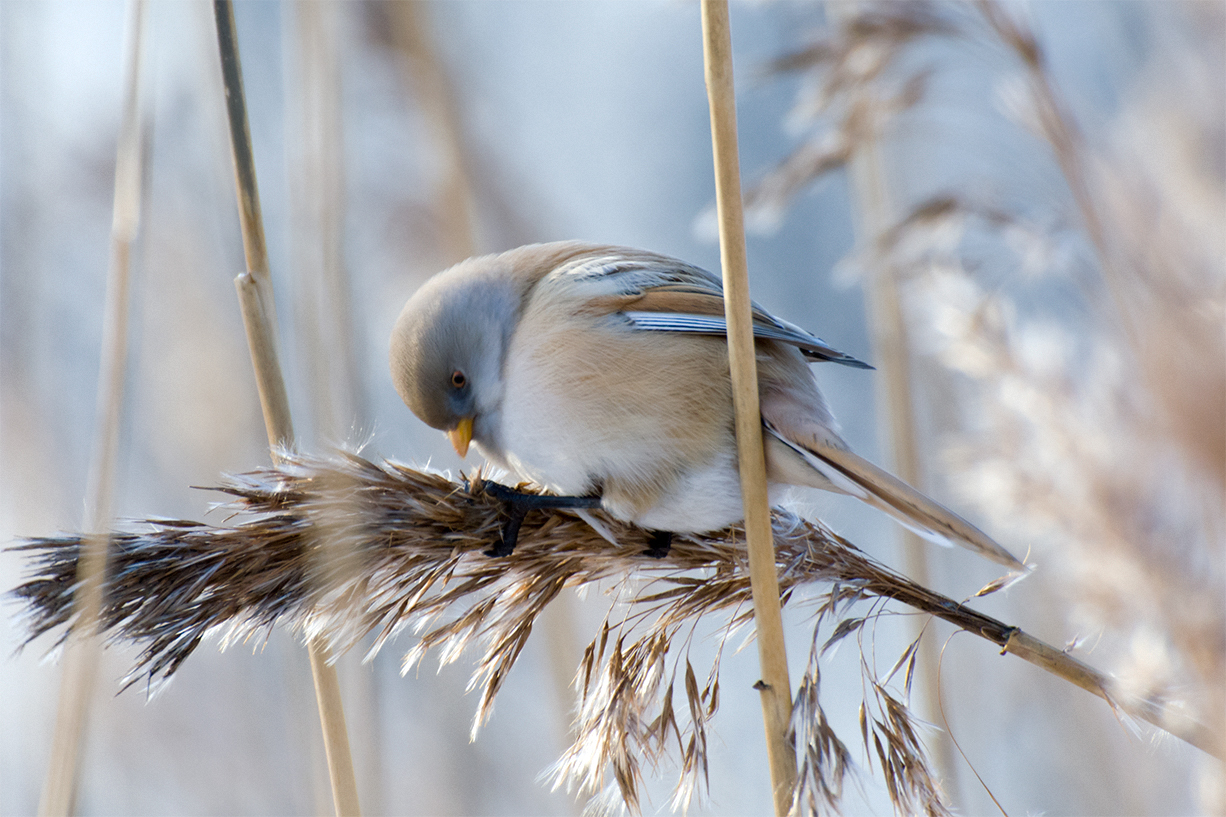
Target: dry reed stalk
column 406, row 552
column 320, row 292
column 256, row 301
column 255, row 285
column 775, row 686
column 81, row 659
column 323, row 295
column 323, row 301
column 874, row 214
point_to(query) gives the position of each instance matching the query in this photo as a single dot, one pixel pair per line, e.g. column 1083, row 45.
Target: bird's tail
column 832, row 468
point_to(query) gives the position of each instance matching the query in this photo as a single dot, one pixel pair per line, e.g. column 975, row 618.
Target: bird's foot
column 659, row 544
column 518, row 504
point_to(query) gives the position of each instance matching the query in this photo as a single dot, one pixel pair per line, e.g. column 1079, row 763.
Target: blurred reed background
column 1060, row 270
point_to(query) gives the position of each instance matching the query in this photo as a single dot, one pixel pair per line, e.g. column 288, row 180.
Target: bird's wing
column 812, row 347
column 828, row 467
column 660, row 294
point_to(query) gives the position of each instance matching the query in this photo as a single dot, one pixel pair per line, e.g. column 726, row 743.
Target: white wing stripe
column 711, row 325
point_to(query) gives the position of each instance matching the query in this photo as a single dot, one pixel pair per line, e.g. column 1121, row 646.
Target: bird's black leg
column 518, row 504
column 659, row 544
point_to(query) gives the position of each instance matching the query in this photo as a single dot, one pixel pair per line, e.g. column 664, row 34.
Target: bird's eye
column 458, row 380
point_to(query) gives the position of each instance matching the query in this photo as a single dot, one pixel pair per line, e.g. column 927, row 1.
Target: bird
column 601, row 374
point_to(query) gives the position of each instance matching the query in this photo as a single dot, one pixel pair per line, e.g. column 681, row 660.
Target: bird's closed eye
column 458, row 380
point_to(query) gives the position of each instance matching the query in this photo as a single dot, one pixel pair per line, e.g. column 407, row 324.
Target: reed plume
column 340, row 549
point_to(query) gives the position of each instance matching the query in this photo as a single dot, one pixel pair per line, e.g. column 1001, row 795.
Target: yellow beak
column 461, row 435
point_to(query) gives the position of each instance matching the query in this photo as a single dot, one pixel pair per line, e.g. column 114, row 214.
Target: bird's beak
column 461, row 435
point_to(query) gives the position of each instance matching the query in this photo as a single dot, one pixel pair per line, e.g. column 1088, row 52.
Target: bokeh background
column 392, row 139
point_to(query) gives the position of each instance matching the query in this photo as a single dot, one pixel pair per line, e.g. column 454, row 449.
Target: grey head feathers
column 460, row 322
column 450, row 339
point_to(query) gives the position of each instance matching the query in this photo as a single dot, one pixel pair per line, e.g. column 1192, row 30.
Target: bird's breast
column 592, row 404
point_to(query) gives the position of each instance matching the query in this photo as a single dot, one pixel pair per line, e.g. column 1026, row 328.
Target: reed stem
column 874, row 214
column 775, row 686
column 82, row 652
column 256, row 301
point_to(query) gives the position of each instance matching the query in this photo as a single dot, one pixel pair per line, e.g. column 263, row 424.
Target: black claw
column 518, row 504
column 659, row 544
column 510, row 532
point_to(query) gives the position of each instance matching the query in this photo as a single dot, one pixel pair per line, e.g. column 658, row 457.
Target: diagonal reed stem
column 82, row 654
column 775, row 686
column 256, row 301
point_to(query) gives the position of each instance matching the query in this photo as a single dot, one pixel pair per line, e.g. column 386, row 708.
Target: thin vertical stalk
column 255, row 285
column 256, row 301
column 896, row 417
column 83, row 653
column 320, row 289
column 775, row 686
column 874, row 214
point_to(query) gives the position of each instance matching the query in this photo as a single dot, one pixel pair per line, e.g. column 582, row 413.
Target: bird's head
column 448, row 347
